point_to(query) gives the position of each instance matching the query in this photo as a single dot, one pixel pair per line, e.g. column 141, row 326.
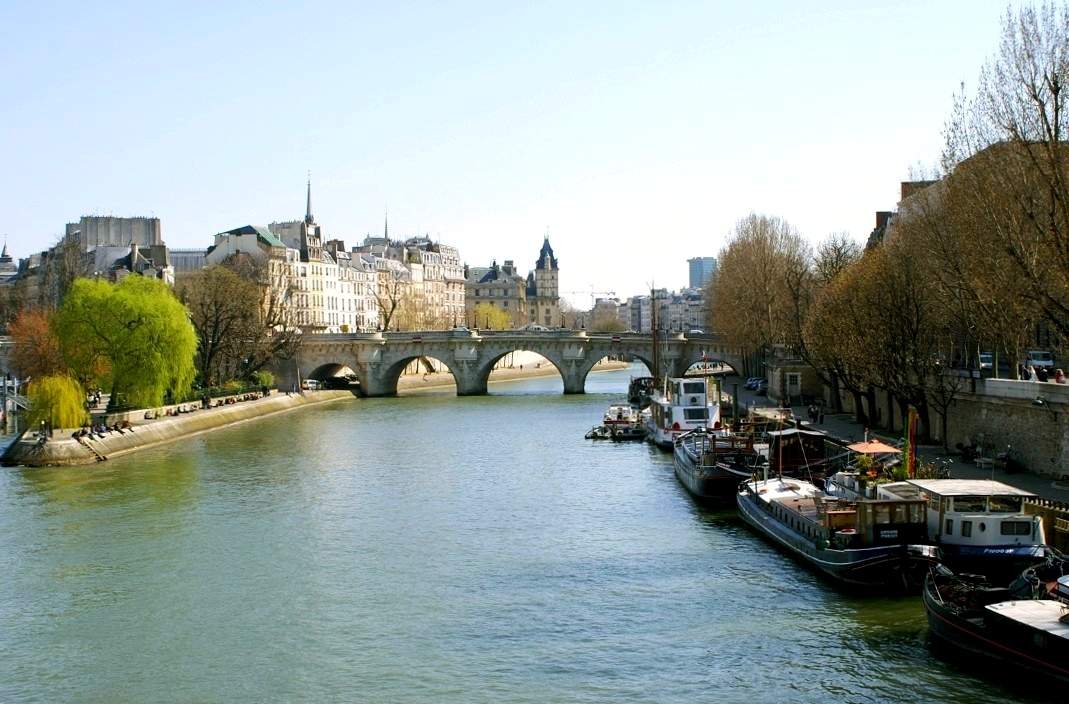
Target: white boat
column 686, row 406
column 620, row 414
column 980, row 525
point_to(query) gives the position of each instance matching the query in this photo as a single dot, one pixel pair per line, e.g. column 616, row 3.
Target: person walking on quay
column 1059, row 376
column 1032, row 373
column 1042, row 374
column 820, row 414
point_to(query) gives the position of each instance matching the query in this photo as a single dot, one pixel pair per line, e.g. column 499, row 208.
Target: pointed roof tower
column 386, row 224
column 308, row 208
column 546, row 260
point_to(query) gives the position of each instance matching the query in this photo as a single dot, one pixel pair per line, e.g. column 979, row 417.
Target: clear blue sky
column 637, row 132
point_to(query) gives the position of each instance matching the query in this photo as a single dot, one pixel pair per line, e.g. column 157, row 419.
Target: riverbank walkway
column 843, row 425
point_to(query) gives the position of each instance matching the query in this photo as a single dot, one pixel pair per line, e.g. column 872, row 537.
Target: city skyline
column 614, row 131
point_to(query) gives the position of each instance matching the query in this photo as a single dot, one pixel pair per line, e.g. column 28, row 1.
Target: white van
column 1039, row 358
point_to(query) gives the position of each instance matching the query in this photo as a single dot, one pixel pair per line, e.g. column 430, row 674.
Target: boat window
column 1016, row 528
column 1005, row 504
column 883, row 514
column 696, row 413
column 950, row 527
column 692, row 388
column 970, row 504
column 966, row 529
column 916, row 513
column 900, row 513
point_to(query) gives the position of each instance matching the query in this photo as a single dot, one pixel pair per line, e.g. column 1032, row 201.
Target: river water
column 427, row 549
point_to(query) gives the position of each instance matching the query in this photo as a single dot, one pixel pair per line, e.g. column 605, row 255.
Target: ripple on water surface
column 426, row 548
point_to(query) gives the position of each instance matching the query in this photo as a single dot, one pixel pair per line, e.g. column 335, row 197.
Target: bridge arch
column 487, row 368
column 393, row 369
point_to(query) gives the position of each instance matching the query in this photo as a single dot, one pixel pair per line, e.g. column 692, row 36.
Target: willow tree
column 489, row 316
column 57, row 400
column 133, row 338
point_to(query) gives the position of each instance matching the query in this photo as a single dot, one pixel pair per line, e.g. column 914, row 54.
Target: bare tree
column 1005, row 147
column 390, row 294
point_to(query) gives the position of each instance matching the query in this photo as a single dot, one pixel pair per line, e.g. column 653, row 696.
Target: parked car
column 695, row 331
column 1039, row 358
column 310, row 385
column 753, row 382
column 987, row 361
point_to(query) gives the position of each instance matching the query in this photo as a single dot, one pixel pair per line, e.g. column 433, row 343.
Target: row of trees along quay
column 147, row 345
column 977, row 259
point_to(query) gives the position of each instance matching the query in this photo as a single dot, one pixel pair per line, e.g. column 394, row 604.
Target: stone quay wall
column 63, row 449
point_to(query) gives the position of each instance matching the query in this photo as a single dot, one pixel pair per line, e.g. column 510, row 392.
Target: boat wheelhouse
column 870, row 543
column 797, row 452
column 980, row 525
column 687, row 405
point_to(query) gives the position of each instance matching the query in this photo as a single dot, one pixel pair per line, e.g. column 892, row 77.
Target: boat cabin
column 796, row 452
column 710, row 447
column 972, row 512
column 687, row 406
column 846, row 524
column 620, row 414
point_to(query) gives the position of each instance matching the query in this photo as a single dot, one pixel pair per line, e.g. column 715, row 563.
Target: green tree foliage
column 489, row 316
column 133, row 338
column 58, row 400
column 263, row 378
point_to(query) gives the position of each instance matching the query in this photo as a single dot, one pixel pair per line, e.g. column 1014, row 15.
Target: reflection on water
column 426, row 548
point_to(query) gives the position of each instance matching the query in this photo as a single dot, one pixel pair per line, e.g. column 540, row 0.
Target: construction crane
column 592, row 293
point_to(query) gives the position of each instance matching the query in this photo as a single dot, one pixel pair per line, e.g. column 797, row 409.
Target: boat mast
column 653, row 331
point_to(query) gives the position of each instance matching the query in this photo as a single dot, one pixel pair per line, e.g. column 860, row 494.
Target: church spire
column 386, row 224
column 308, row 208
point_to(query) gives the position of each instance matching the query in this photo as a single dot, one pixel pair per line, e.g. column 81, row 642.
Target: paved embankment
column 63, row 449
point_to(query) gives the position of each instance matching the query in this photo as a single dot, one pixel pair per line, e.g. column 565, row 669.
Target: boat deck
column 1040, row 614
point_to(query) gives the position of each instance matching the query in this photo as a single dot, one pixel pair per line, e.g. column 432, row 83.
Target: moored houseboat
column 875, row 544
column 980, row 525
column 684, row 405
column 711, row 463
column 991, row 626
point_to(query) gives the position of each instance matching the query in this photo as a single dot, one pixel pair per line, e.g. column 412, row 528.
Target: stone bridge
column 379, row 358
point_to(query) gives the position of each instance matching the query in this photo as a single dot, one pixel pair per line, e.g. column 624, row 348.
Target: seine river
column 427, row 549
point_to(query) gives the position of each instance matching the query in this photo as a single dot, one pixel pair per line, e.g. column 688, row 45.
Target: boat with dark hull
column 871, row 544
column 712, row 463
column 990, row 626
